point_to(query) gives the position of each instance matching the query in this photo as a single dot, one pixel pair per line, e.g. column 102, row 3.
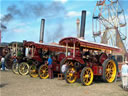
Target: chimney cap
column 42, row 19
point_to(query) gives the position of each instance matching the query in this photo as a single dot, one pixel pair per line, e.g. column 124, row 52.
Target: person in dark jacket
column 50, row 67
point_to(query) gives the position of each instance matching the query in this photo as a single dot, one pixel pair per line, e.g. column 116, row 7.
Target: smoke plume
column 56, row 34
column 3, row 27
column 31, row 11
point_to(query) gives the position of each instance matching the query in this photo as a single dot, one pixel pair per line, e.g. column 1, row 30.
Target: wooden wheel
column 15, row 68
column 43, row 72
column 86, row 76
column 109, row 70
column 33, row 71
column 23, row 68
column 71, row 75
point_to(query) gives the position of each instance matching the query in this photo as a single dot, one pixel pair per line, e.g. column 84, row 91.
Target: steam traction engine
column 32, row 59
column 37, row 56
column 57, row 53
column 88, row 60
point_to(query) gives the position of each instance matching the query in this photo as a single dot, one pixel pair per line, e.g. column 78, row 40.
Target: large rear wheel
column 23, row 68
column 43, row 72
column 86, row 76
column 71, row 75
column 109, row 70
column 33, row 71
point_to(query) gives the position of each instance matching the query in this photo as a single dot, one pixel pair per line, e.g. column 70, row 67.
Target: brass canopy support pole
column 74, row 50
column 32, row 51
column 66, row 49
column 28, row 52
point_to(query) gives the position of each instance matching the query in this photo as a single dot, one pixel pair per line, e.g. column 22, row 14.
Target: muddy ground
column 17, row 85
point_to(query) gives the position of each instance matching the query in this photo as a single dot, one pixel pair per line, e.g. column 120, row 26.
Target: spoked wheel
column 15, row 68
column 43, row 72
column 23, row 68
column 109, row 70
column 71, row 75
column 33, row 71
column 86, row 76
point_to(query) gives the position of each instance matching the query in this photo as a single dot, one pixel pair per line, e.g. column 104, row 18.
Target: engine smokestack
column 83, row 20
column 78, row 27
column 42, row 30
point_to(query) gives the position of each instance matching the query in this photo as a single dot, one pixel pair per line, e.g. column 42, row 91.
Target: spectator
column 50, row 69
column 124, row 74
column 63, row 68
column 3, row 63
column 127, row 74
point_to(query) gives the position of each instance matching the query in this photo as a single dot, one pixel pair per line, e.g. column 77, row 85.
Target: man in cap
column 124, row 74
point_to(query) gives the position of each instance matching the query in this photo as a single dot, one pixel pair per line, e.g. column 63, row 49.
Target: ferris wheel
column 109, row 22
